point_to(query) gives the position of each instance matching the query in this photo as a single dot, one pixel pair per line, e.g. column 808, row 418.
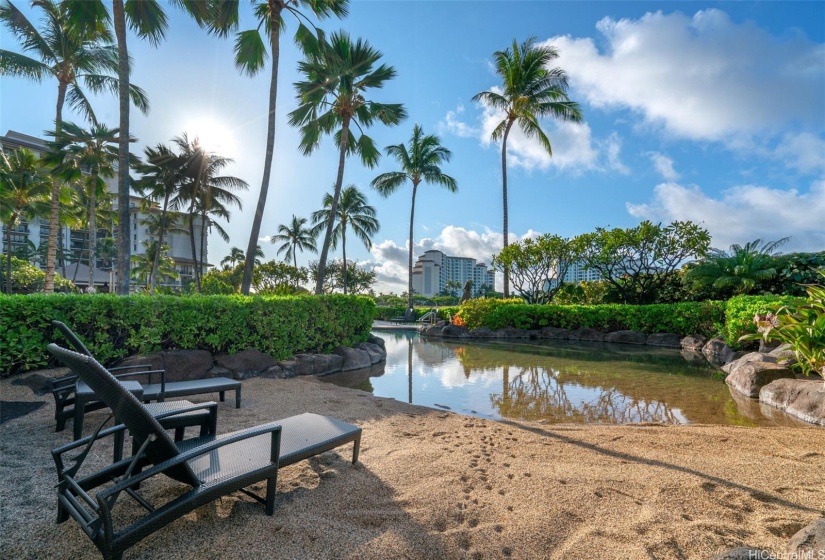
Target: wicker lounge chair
column 408, row 317
column 68, row 392
column 211, row 466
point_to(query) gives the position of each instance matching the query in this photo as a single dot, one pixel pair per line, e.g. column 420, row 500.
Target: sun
column 214, row 135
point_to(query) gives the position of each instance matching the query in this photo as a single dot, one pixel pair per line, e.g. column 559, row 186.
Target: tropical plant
column 277, row 278
column 338, row 75
column 78, row 214
column 235, row 257
column 73, row 55
column 451, row 288
column 295, row 237
column 26, row 278
column 143, row 265
column 250, row 57
column 352, row 211
column 419, row 161
column 24, row 195
column 739, row 271
column 358, row 280
column 531, row 89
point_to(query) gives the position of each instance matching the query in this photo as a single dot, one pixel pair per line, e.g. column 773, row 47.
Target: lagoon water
column 558, row 382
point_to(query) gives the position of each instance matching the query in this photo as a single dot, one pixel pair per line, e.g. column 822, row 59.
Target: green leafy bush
column 26, row 278
column 114, row 327
column 740, row 311
column 474, row 312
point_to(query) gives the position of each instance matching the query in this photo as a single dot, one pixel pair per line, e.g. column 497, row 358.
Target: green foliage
column 738, row 271
column 212, row 285
column 794, row 271
column 583, row 293
column 740, row 311
column 474, row 312
column 114, row 327
column 26, row 278
column 359, row 281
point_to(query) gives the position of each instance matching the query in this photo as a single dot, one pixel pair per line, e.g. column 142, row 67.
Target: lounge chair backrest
column 127, row 409
column 71, row 337
column 409, row 315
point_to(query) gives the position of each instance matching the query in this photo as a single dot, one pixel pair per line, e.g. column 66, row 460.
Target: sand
column 433, row 484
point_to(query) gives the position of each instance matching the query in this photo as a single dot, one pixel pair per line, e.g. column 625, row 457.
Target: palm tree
column 235, row 257
column 24, row 194
column 353, row 211
column 72, row 56
column 77, row 216
column 295, row 237
column 739, row 270
column 338, row 76
column 250, row 57
column 419, row 162
column 144, row 265
column 87, row 156
column 531, row 90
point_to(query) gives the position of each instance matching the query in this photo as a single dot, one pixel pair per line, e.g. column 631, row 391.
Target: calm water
column 558, row 382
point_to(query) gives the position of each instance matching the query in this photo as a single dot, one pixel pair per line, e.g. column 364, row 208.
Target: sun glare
column 213, row 135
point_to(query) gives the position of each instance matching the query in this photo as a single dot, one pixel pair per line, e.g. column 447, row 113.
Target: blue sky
column 708, row 111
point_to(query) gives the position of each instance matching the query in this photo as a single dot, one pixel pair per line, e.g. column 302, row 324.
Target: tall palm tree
column 295, row 237
column 531, row 90
column 72, row 56
column 338, row 76
column 352, row 211
column 250, row 57
column 740, row 269
column 87, row 156
column 24, row 194
column 419, row 162
column 235, row 257
column 77, row 217
column 144, row 265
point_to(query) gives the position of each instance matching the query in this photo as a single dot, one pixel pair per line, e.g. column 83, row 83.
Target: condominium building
column 29, row 237
column 434, row 270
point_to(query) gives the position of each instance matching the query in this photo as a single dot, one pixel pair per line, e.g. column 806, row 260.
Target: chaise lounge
column 210, row 466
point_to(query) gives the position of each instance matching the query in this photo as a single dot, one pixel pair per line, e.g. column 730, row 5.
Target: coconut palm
column 87, row 156
column 352, row 211
column 295, row 237
column 143, row 266
column 739, row 270
column 333, row 100
column 24, row 195
column 235, row 257
column 74, row 57
column 419, row 162
column 78, row 217
column 531, row 90
column 250, row 57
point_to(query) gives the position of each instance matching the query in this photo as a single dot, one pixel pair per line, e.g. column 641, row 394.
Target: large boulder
column 748, row 378
column 667, row 340
column 181, row 365
column 747, row 358
column 717, row 352
column 433, row 330
column 354, row 358
column 377, row 340
column 376, row 353
column 626, row 337
column 809, row 542
column 155, row 360
column 481, row 332
column 306, row 364
column 802, row 398
column 511, row 332
column 453, row 331
column 246, row 363
column 587, row 334
column 554, row 333
column 694, row 342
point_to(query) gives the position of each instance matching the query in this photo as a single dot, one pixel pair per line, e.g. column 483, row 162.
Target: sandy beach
column 434, row 484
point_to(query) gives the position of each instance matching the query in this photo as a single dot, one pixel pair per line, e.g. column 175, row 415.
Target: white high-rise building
column 433, row 270
column 31, row 235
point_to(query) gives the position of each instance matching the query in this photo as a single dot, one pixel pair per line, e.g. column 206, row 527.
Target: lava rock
column 717, row 352
column 667, row 340
column 554, row 333
column 587, row 334
column 626, row 337
column 802, row 398
column 808, row 542
column 481, row 332
column 510, row 332
column 376, row 353
column 747, row 358
column 453, row 331
column 354, row 358
column 377, row 340
column 246, row 363
column 748, row 378
column 694, row 342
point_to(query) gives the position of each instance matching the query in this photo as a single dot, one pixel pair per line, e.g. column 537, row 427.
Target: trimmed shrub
column 476, row 312
column 114, row 327
column 740, row 311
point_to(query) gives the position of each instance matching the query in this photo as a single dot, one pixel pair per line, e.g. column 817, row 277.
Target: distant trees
column 358, row 280
column 297, row 236
column 739, row 270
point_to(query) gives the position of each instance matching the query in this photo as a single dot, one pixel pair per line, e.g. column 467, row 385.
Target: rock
column 809, row 542
column 554, row 333
column 749, row 377
column 510, row 332
column 626, row 337
column 783, row 353
column 744, row 553
column 802, row 398
column 376, row 353
column 433, row 330
column 481, row 332
column 276, row 371
column 442, row 323
column 453, row 331
column 717, row 352
column 747, row 358
column 220, row 371
column 765, row 346
column 668, row 340
column 585, row 333
column 38, row 383
column 693, row 342
column 377, row 340
column 694, row 356
column 181, row 365
column 246, row 363
column 354, row 358
column 155, row 361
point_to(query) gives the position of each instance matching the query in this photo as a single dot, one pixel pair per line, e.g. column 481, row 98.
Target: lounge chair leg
column 222, row 395
column 355, row 449
column 179, row 433
column 62, row 513
column 238, row 397
column 271, row 483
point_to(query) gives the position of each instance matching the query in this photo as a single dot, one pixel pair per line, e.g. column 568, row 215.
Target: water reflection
column 561, row 382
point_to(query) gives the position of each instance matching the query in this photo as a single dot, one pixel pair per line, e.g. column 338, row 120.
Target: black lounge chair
column 211, row 466
column 81, row 399
column 408, row 317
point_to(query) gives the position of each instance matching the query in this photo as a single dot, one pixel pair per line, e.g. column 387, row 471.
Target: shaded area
column 9, row 410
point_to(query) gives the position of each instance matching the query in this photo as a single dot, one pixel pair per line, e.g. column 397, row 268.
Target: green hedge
column 706, row 318
column 114, row 327
column 741, row 310
column 387, row 313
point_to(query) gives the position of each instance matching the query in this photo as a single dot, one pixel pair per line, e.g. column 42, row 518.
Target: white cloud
column 453, row 125
column 743, row 213
column 664, row 165
column 804, row 152
column 613, row 147
column 702, row 77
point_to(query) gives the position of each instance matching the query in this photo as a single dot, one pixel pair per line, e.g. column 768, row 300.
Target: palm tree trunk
column 192, row 245
column 295, row 263
column 62, row 252
column 344, row 250
column 9, row 227
column 124, row 243
column 333, row 210
column 201, row 257
column 275, row 8
column 154, row 272
column 504, row 195
column 54, row 213
column 92, row 231
column 410, row 264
